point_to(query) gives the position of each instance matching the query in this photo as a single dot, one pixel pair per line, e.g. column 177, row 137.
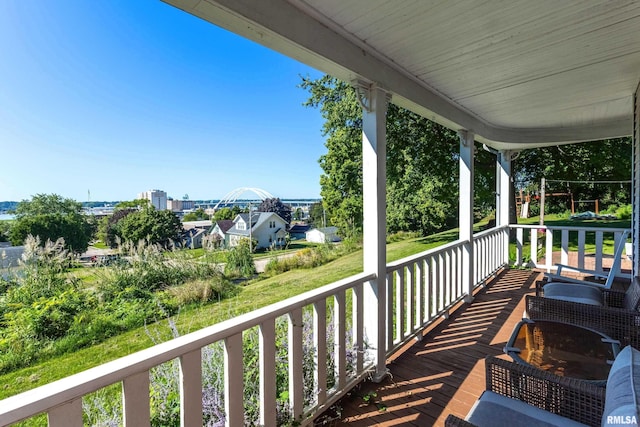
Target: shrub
column 201, row 290
column 239, row 260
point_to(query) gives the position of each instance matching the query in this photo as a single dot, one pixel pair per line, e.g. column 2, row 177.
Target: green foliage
column 239, row 260
column 275, row 205
column 201, row 291
column 608, row 160
column 51, row 217
column 5, row 228
column 161, row 227
column 620, row 212
column 307, row 258
column 224, row 213
column 108, row 229
column 44, row 311
column 135, row 205
column 197, row 215
column 317, row 216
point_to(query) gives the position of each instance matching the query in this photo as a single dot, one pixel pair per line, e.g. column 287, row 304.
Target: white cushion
column 573, row 292
column 496, row 410
column 623, row 390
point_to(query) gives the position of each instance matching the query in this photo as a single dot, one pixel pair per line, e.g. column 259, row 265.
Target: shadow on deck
column 443, row 373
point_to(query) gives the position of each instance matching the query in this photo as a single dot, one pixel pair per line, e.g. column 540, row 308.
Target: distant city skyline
column 103, row 100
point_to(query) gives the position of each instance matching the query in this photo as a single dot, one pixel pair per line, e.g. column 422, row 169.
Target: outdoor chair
column 618, row 316
column 518, row 395
column 559, row 286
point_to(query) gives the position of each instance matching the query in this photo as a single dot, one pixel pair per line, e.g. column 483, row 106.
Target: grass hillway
column 253, row 295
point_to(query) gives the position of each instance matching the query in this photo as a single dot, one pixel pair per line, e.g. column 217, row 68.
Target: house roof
column 518, row 74
column 225, row 224
column 326, row 230
column 197, row 224
column 299, row 228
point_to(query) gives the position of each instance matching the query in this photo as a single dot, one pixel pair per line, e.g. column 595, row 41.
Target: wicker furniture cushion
column 574, row 292
column 495, row 410
column 623, row 390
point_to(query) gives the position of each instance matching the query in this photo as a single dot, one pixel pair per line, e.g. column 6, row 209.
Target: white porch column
column 635, row 184
column 503, row 197
column 465, row 211
column 374, row 170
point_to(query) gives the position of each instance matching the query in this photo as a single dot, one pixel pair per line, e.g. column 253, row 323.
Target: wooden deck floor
column 443, row 373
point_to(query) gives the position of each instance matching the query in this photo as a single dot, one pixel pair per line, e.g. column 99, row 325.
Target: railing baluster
column 358, row 333
column 599, row 242
column 581, row 242
column 191, row 389
column 69, row 414
column 411, row 303
column 320, row 341
column 390, row 311
column 534, row 246
column 428, row 283
column 564, row 250
column 519, row 245
column 233, row 380
column 400, row 313
column 340, row 348
column 296, row 385
column 267, row 343
column 419, row 314
column 548, row 249
column 135, row 396
column 447, row 272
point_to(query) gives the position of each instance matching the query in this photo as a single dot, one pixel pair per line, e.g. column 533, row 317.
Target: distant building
column 195, row 233
column 158, row 198
column 217, row 236
column 323, row 235
column 298, row 231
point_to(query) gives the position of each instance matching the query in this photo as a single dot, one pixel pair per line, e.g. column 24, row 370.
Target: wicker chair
column 618, row 318
column 527, row 393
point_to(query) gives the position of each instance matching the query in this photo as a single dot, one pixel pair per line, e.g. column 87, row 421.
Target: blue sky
column 117, row 97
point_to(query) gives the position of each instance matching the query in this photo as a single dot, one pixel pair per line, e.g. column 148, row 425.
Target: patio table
column 563, row 349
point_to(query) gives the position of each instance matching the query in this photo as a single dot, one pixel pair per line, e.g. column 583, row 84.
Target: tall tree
column 275, row 205
column 223, row 213
column 422, row 164
column 157, row 226
column 50, row 216
column 575, row 168
column 317, row 215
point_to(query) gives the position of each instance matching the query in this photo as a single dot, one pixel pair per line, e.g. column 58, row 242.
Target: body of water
column 6, row 217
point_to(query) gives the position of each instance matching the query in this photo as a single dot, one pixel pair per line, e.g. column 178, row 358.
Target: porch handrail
column 69, row 390
column 548, row 243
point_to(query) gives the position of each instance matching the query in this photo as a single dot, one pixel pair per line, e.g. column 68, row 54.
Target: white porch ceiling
column 516, row 72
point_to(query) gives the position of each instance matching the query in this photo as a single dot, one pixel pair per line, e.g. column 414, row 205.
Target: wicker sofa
column 518, row 395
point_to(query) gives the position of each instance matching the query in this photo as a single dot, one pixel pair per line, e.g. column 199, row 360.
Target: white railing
column 62, row 400
column 587, row 248
column 419, row 289
column 425, row 286
column 490, row 253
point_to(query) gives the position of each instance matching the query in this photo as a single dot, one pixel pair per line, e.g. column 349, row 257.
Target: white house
column 266, row 228
column 322, row 235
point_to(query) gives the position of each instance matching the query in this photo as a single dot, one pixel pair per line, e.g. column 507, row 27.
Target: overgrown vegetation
column 103, row 408
column 45, row 310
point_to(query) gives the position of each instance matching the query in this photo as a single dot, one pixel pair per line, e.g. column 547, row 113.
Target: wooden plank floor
column 443, row 373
